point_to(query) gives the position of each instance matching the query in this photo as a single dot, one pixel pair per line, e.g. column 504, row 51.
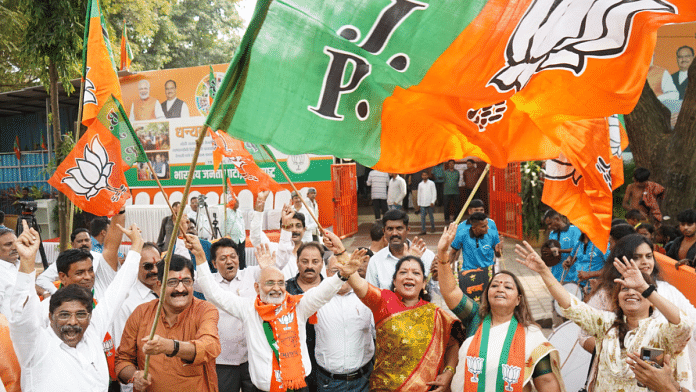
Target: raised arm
column 112, row 241
column 256, row 235
column 449, row 288
column 359, row 285
column 531, row 259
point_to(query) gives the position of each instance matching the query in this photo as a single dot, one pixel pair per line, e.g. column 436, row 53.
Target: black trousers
column 231, row 378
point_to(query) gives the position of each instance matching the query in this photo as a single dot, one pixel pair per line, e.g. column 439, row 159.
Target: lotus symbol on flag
column 562, row 34
column 561, row 169
column 92, row 172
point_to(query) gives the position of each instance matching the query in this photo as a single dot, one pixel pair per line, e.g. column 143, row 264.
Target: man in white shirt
column 68, row 356
column 9, row 265
column 345, row 346
column 314, row 206
column 396, row 191
column 378, row 181
column 200, row 216
column 173, row 107
column 310, row 224
column 235, row 229
column 427, row 195
column 144, row 290
column 264, row 316
column 381, row 268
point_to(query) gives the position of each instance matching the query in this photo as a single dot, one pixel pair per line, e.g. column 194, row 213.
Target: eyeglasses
column 188, row 282
column 271, row 283
column 148, row 266
column 80, row 316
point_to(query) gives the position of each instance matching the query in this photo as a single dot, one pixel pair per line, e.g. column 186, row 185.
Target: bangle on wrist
column 340, row 253
column 450, row 368
column 176, row 349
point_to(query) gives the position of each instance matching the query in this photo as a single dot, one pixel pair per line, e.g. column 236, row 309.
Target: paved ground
column 539, row 298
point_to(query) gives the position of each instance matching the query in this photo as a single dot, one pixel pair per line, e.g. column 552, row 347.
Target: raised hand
column 287, row 214
column 27, row 243
column 351, row 266
column 194, row 245
column 264, row 256
column 333, row 243
column 134, row 235
column 632, row 277
column 417, row 247
column 261, row 200
column 530, row 258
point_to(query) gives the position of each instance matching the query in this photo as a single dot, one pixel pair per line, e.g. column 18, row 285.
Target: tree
column 52, row 45
column 668, row 153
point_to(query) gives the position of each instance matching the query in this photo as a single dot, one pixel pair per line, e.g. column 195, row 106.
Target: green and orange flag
column 98, row 67
column 405, row 84
column 126, row 52
column 17, row 149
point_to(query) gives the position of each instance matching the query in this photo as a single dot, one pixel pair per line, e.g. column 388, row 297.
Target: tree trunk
column 64, row 230
column 668, row 154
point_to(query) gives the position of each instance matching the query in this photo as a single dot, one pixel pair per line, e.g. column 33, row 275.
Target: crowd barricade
column 683, row 278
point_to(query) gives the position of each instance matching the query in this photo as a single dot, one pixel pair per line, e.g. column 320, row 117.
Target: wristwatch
column 343, row 278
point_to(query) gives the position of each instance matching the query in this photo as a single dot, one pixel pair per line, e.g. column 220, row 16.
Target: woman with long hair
column 505, row 348
column 629, row 327
column 417, row 341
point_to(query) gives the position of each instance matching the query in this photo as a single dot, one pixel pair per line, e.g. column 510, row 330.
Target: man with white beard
column 275, row 322
column 146, row 107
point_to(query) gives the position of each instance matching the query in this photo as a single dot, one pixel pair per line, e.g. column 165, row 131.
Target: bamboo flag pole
column 466, row 205
column 172, row 241
column 311, row 213
column 166, row 198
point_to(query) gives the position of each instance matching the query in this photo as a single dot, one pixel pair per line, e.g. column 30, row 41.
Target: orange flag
column 582, row 189
column 98, row 67
column 91, row 175
column 257, row 180
column 231, row 197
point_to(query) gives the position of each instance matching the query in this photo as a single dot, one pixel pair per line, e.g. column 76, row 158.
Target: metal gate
column 505, row 202
column 345, row 199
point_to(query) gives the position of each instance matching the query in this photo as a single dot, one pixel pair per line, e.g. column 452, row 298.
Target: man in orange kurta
column 186, row 342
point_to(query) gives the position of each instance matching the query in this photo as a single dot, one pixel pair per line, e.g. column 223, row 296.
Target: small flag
column 257, row 180
column 91, row 176
column 126, row 52
column 231, row 197
column 17, row 150
column 113, row 117
column 98, row 68
column 43, row 142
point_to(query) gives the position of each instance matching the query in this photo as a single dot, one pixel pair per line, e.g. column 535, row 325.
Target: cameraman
column 25, row 195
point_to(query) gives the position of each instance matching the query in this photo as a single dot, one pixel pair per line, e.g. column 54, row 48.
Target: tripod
column 216, row 229
column 31, row 222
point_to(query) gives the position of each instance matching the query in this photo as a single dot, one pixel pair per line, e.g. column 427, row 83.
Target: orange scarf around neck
column 287, row 357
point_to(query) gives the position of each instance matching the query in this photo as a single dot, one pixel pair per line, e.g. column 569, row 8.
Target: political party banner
column 167, row 109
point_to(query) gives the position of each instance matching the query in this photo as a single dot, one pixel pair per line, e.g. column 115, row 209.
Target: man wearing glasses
column 185, row 345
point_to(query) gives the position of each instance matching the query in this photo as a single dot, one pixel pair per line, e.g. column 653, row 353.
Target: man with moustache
column 344, row 344
column 9, row 265
column 68, row 356
column 173, row 107
column 382, row 265
column 185, row 345
column 145, row 107
column 232, row 364
column 274, row 323
column 79, row 239
column 310, row 261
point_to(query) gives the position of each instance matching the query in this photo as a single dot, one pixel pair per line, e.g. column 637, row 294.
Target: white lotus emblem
column 92, row 172
column 560, row 169
column 562, row 34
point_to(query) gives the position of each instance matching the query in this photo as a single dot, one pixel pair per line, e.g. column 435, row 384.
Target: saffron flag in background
column 584, row 193
column 98, row 68
column 17, row 150
column 43, row 142
column 126, row 52
column 231, row 197
column 256, row 179
column 91, row 176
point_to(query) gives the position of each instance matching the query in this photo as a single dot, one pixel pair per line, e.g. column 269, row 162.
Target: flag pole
column 224, row 191
column 166, row 198
column 172, row 241
column 311, row 213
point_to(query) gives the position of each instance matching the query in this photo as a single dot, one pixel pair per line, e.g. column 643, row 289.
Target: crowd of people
column 309, row 315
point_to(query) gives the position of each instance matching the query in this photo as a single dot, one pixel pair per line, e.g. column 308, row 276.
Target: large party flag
column 403, row 85
column 17, row 150
column 583, row 192
column 257, row 180
column 91, row 176
column 114, row 118
column 126, row 52
column 98, row 68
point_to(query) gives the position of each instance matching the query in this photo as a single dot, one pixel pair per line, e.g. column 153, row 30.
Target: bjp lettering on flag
column 91, row 176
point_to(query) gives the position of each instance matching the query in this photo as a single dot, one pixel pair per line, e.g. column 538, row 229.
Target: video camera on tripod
column 27, row 214
column 28, row 207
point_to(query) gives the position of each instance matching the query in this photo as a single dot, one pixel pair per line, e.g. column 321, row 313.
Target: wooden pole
column 311, row 213
column 172, row 241
column 166, row 198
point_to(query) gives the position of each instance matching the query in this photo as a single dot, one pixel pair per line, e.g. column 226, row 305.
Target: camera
column 201, row 201
column 28, row 207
